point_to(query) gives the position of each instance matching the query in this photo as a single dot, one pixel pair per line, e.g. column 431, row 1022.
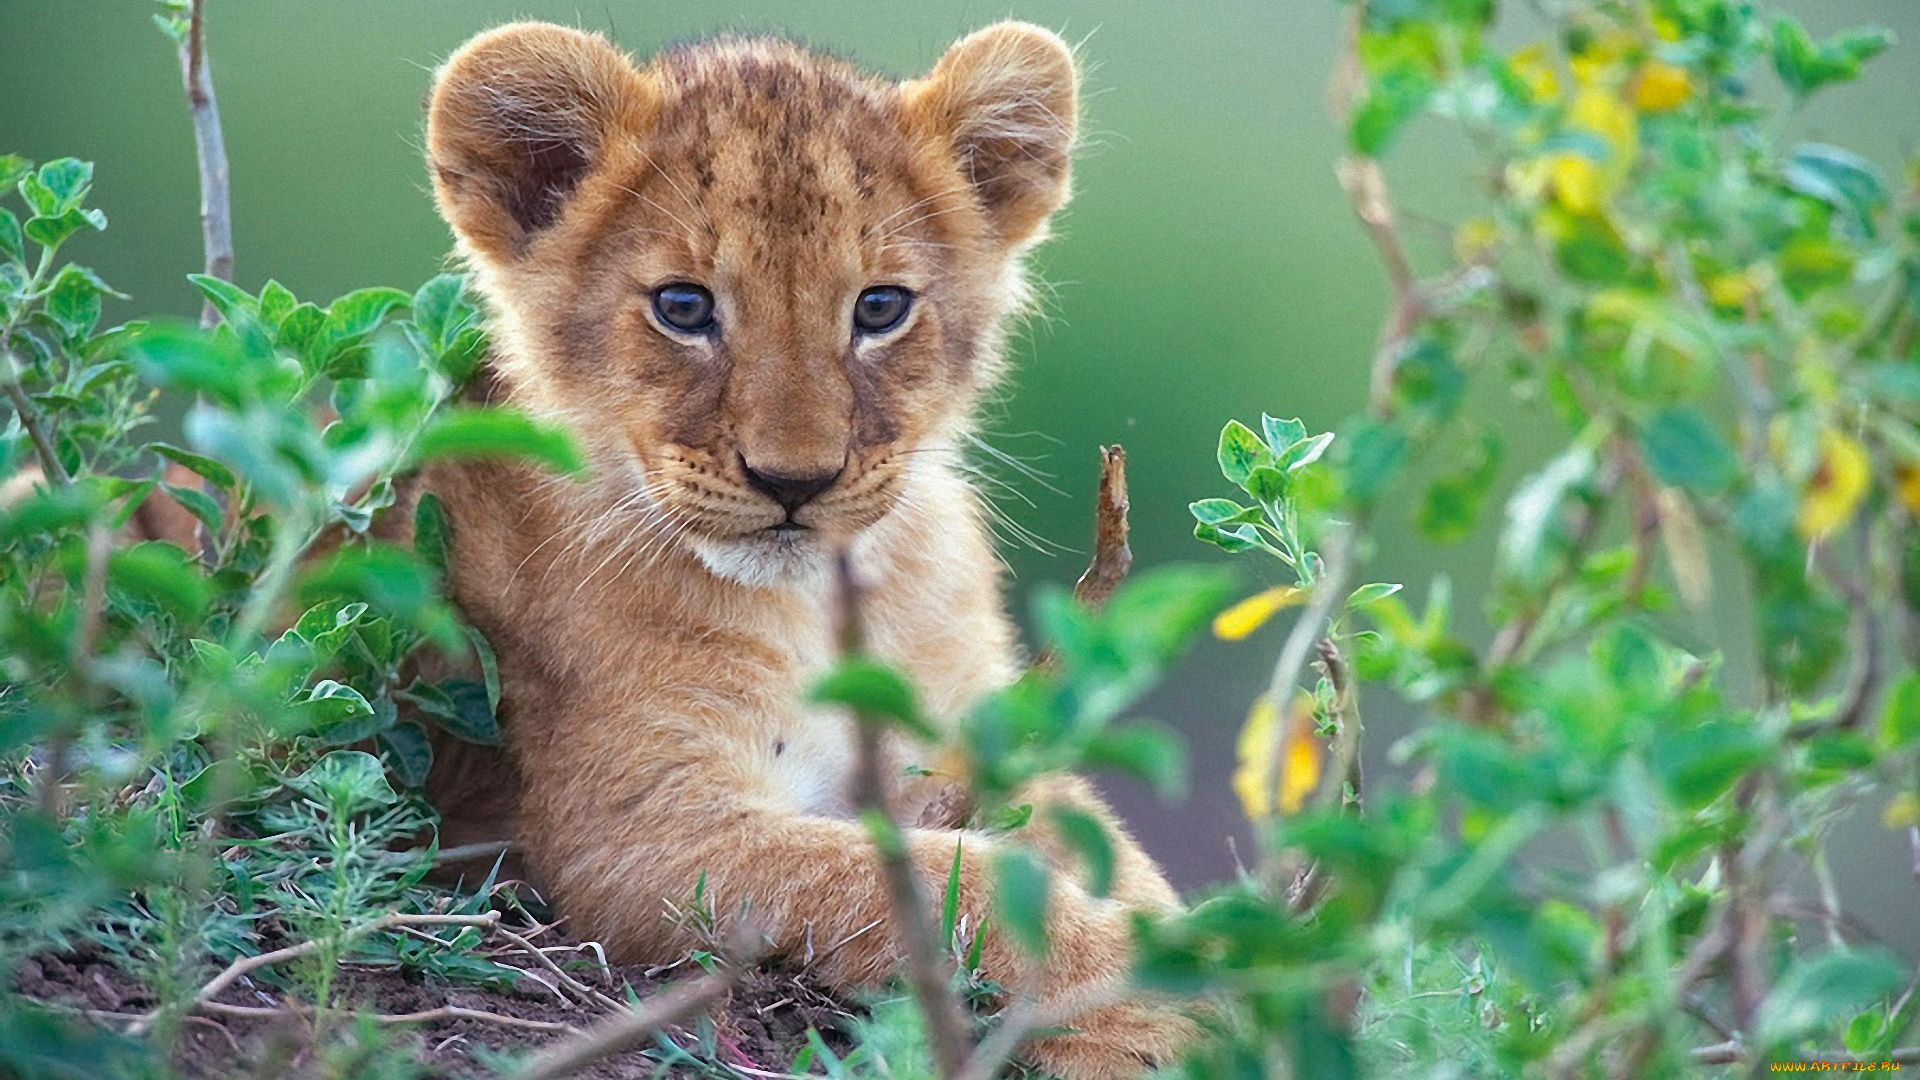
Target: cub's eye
column 881, row 308
column 684, row 306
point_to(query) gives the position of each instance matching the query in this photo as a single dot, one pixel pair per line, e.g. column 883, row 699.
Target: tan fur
column 655, row 635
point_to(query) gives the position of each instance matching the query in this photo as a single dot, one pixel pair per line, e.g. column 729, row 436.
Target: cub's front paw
column 1119, row 1042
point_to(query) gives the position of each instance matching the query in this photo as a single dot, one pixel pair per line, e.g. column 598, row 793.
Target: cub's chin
column 775, row 556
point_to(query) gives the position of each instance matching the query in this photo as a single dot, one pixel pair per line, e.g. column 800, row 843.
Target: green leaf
column 1020, row 898
column 1392, row 99
column 330, row 703
column 164, row 575
column 1451, row 506
column 1697, row 765
column 460, row 706
column 950, row 898
column 1535, row 511
column 1223, row 512
column 410, row 752
column 52, row 231
column 198, row 503
column 12, row 168
column 355, row 315
column 1148, row 751
column 1237, row 539
column 430, row 530
column 871, row 688
column 1305, row 452
column 1840, row 178
column 230, row 300
column 346, row 781
column 1372, row 452
column 1684, row 450
column 12, row 245
column 1268, row 485
column 1241, row 452
column 1088, row 837
column 469, row 432
column 1805, row 65
column 1802, row 629
column 1900, row 716
column 276, row 302
column 205, row 467
column 73, row 301
column 67, row 180
column 1371, row 594
column 299, row 332
column 1281, row 433
column 392, row 581
column 441, row 309
column 1818, row 990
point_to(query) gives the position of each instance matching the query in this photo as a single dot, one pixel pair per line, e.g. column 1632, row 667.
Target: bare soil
column 759, row 1028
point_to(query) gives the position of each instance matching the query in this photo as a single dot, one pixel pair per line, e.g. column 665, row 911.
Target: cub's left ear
column 1006, row 99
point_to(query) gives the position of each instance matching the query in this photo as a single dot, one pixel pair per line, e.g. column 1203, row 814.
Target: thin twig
column 31, row 420
column 581, row 990
column 293, row 952
column 426, row 1016
column 488, row 849
column 664, row 1010
column 1345, row 773
column 1306, row 634
column 913, row 927
column 1112, row 558
column 216, row 210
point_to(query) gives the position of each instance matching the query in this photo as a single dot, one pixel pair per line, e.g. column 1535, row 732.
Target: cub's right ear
column 519, row 116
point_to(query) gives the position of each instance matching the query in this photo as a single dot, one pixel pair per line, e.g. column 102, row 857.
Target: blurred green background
column 1208, row 268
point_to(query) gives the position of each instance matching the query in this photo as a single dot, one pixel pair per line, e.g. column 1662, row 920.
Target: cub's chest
column 809, row 763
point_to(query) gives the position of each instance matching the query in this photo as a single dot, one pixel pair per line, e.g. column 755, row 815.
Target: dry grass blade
column 632, row 1027
column 245, row 964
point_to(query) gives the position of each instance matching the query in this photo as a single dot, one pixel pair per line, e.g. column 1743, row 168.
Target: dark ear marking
column 1006, row 100
column 519, row 116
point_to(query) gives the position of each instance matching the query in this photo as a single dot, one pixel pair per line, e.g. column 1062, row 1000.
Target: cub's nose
column 791, row 492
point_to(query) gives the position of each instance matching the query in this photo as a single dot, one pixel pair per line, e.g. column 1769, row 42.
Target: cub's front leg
column 813, row 885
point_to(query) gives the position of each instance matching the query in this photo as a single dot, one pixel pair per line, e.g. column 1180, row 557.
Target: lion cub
column 767, row 292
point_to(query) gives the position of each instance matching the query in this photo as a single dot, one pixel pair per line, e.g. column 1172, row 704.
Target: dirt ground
column 759, row 1028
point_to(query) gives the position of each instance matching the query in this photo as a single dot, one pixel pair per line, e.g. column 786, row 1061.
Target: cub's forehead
column 761, row 130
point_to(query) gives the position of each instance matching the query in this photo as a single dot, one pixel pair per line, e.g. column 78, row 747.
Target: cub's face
column 762, row 287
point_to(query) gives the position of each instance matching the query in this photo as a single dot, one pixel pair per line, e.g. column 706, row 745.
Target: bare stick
column 581, row 990
column 216, row 210
column 427, row 1016
column 487, row 849
column 1112, row 558
column 31, row 419
column 945, row 1023
column 631, row 1028
column 306, row 948
column 1304, row 638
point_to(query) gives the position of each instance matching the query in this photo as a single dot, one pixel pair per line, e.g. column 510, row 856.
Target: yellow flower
column 1731, row 290
column 1606, row 48
column 1902, row 812
column 1577, row 183
column 1298, row 773
column 1839, row 481
column 1580, row 184
column 1474, row 239
column 1906, row 481
column 1250, row 614
column 1534, row 67
column 1600, row 112
column 1661, row 86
